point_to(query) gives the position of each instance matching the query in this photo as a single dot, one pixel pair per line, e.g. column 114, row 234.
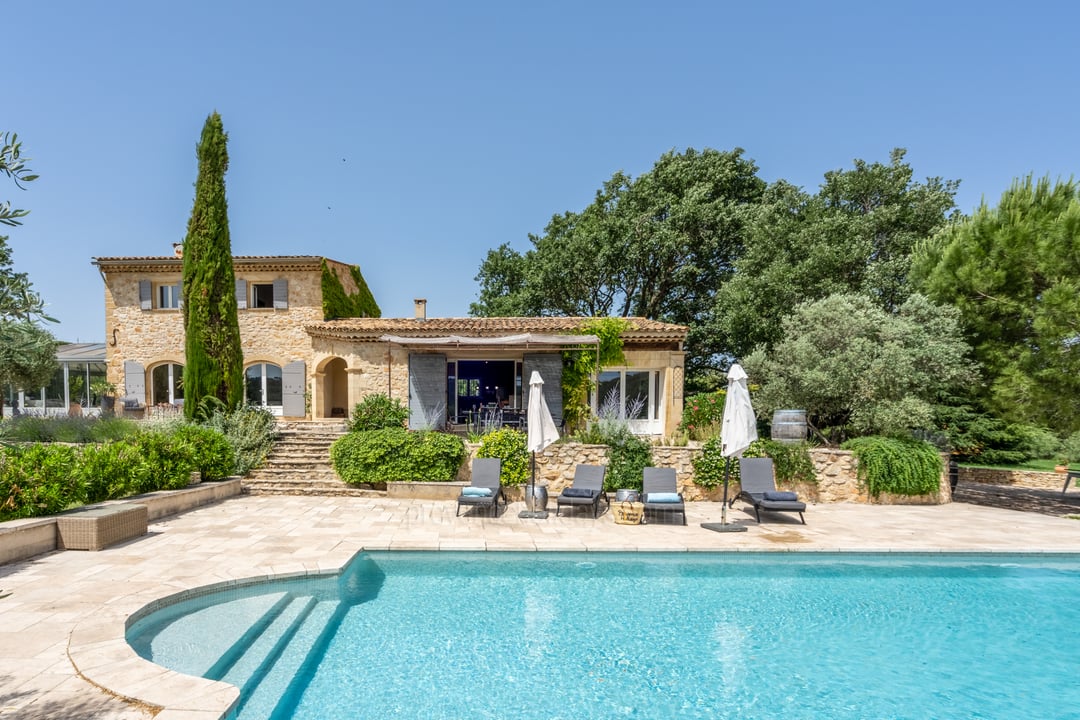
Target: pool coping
column 99, row 651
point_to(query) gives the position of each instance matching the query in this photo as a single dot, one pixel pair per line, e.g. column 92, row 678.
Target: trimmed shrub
column 509, row 446
column 628, row 456
column 169, row 459
column 392, row 454
column 376, row 412
column 38, row 480
column 213, row 453
column 33, row 428
column 902, row 466
column 112, row 470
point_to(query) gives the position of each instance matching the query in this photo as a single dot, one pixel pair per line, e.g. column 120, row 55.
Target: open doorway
column 473, row 385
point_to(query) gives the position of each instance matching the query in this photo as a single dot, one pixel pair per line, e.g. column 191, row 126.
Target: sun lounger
column 758, row 488
column 660, row 492
column 485, row 489
column 587, row 488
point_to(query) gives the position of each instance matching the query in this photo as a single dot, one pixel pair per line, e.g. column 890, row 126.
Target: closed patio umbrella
column 737, row 431
column 541, row 432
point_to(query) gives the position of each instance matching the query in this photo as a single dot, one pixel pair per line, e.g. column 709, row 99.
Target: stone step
column 292, row 474
column 299, row 488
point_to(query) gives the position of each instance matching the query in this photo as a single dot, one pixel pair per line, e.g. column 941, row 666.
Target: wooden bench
column 96, row 528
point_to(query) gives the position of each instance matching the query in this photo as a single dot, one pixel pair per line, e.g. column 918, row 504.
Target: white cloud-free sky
column 412, row 137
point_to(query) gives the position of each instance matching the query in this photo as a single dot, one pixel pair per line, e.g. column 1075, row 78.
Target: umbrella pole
column 727, row 474
column 724, row 525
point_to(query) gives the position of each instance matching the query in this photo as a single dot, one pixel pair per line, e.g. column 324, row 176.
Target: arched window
column 263, row 382
column 167, row 384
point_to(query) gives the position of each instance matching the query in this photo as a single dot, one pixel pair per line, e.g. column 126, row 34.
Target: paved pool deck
column 62, row 648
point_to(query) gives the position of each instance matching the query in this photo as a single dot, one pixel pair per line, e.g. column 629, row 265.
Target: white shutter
column 427, row 391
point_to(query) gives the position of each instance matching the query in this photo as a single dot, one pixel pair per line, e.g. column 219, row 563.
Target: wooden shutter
column 427, row 391
column 241, row 294
column 293, row 387
column 549, row 365
column 146, row 295
column 134, row 382
column 281, row 294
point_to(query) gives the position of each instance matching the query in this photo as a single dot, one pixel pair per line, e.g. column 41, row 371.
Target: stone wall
column 1018, row 478
column 835, row 471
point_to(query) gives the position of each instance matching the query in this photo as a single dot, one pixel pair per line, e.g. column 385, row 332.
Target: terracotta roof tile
column 362, row 328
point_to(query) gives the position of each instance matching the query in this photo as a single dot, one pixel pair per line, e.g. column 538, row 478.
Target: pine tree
column 214, row 365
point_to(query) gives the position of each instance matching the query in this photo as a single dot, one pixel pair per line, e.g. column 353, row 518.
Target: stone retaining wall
column 835, row 471
column 1018, row 478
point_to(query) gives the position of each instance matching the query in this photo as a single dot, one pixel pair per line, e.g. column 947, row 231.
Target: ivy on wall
column 580, row 366
column 336, row 303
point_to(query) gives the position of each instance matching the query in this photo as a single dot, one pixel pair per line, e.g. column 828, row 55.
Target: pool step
column 261, row 693
column 264, row 644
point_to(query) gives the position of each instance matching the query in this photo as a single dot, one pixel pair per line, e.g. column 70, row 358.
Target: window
column 263, row 382
column 168, row 297
column 167, row 384
column 262, row 295
column 632, row 395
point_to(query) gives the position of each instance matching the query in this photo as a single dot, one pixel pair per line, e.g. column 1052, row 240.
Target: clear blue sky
column 412, row 137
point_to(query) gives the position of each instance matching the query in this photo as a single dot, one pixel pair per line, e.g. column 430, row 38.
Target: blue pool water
column 567, row 635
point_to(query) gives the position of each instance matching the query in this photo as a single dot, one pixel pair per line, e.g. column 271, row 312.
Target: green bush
column 510, row 446
column 112, row 470
column 213, row 453
column 1070, row 448
column 376, row 412
column 902, row 466
column 703, row 414
column 250, row 430
column 170, row 458
column 38, row 480
column 628, row 456
column 791, row 463
column 393, row 454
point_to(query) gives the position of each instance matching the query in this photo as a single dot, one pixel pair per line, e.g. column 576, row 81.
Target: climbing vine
column 580, row 366
column 339, row 304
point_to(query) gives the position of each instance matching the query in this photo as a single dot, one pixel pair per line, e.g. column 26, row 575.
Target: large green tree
column 655, row 246
column 27, row 352
column 858, row 369
column 214, row 363
column 1013, row 272
column 856, row 234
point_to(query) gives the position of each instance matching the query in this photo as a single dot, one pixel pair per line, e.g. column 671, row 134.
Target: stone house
column 300, row 364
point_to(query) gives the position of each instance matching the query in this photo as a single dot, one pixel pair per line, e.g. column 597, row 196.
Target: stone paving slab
column 62, row 648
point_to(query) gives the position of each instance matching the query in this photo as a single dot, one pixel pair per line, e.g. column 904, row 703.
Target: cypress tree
column 214, row 365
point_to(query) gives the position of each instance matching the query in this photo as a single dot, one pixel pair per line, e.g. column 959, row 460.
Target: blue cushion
column 780, row 495
column 476, row 492
column 663, row 498
column 579, row 493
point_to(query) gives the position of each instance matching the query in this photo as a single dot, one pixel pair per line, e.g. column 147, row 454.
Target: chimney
column 420, row 308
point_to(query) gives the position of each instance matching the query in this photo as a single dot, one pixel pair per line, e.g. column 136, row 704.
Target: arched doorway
column 334, row 381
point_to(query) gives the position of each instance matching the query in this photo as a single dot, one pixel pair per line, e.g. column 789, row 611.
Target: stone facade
column 155, row 335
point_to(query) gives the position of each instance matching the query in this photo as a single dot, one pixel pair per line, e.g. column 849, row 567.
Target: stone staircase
column 299, row 463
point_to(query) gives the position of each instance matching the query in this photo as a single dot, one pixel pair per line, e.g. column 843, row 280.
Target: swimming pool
column 575, row 635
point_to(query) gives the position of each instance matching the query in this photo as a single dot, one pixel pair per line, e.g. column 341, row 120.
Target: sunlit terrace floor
column 62, row 652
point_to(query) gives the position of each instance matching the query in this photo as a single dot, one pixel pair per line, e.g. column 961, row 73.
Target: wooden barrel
column 789, row 426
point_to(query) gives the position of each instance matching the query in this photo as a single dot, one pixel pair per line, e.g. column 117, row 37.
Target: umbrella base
column 724, row 527
column 533, row 514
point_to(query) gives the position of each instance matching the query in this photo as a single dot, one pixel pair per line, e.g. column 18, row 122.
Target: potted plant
column 106, row 392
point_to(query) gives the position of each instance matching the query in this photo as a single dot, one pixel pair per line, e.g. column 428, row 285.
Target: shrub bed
column 390, row 454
